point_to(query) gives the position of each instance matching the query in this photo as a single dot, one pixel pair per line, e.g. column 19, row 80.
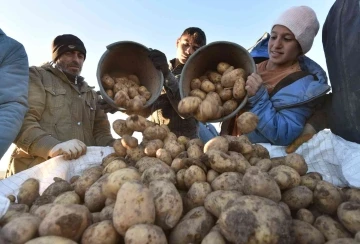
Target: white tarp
column 45, row 172
column 336, row 159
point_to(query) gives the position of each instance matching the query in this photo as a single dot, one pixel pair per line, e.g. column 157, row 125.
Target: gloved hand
column 106, row 107
column 160, row 61
column 71, row 149
column 306, row 135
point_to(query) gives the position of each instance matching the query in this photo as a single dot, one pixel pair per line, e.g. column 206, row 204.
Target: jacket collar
column 57, row 72
column 176, row 70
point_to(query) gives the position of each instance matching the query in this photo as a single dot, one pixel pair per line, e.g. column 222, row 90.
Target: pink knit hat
column 303, row 23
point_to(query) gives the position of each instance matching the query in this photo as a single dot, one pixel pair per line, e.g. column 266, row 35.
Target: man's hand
column 71, row 149
column 253, row 84
column 306, row 135
column 103, row 105
column 160, row 61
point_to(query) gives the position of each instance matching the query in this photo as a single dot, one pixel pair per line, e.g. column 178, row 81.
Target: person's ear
column 177, row 42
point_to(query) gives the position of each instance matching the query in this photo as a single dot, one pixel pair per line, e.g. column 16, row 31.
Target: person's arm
column 171, row 86
column 32, row 138
column 14, row 73
column 101, row 131
column 279, row 127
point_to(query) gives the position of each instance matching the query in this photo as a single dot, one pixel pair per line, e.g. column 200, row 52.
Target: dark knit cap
column 65, row 43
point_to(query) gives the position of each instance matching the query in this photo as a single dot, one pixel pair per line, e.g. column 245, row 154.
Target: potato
column 285, row 207
column 216, row 201
column 69, row 197
column 134, row 205
column 107, row 212
column 134, row 154
column 107, row 81
column 188, row 105
column 94, row 198
column 222, row 67
column 219, row 143
column 225, row 94
column 229, row 181
column 164, row 155
column 239, row 91
column 68, row 221
column 352, row 195
column 327, row 197
column 256, row 182
column 253, row 219
column 136, row 123
column 114, row 165
column 349, row 215
column 155, row 132
column 195, row 141
column 330, row 228
column 228, row 79
column 214, row 237
column 199, row 93
column 220, row 161
column 133, row 92
column 305, row 215
column 21, row 229
column 239, row 144
column 196, row 195
column 89, row 177
column 230, row 106
column 174, row 148
column 122, row 99
column 219, row 88
column 101, row 232
column 207, row 86
column 119, row 149
column 264, row 164
column 194, row 152
column 168, row 203
column 200, row 222
column 194, row 174
column 297, row 162
column 28, row 191
column 285, row 176
column 180, row 179
column 146, row 162
column 152, row 147
column 170, row 137
column 195, row 84
column 342, row 241
column 135, row 105
column 214, row 77
column 95, row 217
column 247, row 122
column 110, row 93
column 43, row 210
column 144, row 92
column 134, row 78
column 51, row 239
column 231, row 68
column 57, row 187
column 128, row 141
column 308, row 181
column 158, row 172
column 297, row 197
column 306, row 233
column 115, row 180
column 145, row 233
column 120, row 87
column 211, row 175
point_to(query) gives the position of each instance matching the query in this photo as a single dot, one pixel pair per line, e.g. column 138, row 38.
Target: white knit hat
column 303, row 23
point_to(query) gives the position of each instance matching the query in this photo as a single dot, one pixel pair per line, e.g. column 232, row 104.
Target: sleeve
column 32, row 138
column 280, row 127
column 14, row 73
column 173, row 93
column 101, row 131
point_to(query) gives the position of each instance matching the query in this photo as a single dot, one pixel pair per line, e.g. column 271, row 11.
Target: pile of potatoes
column 215, row 94
column 126, row 91
column 169, row 189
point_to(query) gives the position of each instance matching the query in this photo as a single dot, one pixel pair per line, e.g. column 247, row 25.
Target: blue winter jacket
column 14, row 77
column 282, row 117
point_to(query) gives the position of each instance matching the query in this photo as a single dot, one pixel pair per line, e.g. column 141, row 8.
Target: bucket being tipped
column 125, row 58
column 207, row 58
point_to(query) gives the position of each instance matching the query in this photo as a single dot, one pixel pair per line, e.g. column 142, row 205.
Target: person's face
column 71, row 62
column 185, row 47
column 283, row 47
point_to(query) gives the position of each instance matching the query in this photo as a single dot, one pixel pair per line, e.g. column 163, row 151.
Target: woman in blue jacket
column 14, row 78
column 286, row 87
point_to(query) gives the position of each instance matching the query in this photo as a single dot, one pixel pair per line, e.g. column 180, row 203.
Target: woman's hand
column 253, row 84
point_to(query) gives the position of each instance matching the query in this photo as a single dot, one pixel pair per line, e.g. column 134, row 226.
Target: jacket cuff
column 43, row 146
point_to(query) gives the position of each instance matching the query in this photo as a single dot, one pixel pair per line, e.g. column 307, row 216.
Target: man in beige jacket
column 63, row 116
